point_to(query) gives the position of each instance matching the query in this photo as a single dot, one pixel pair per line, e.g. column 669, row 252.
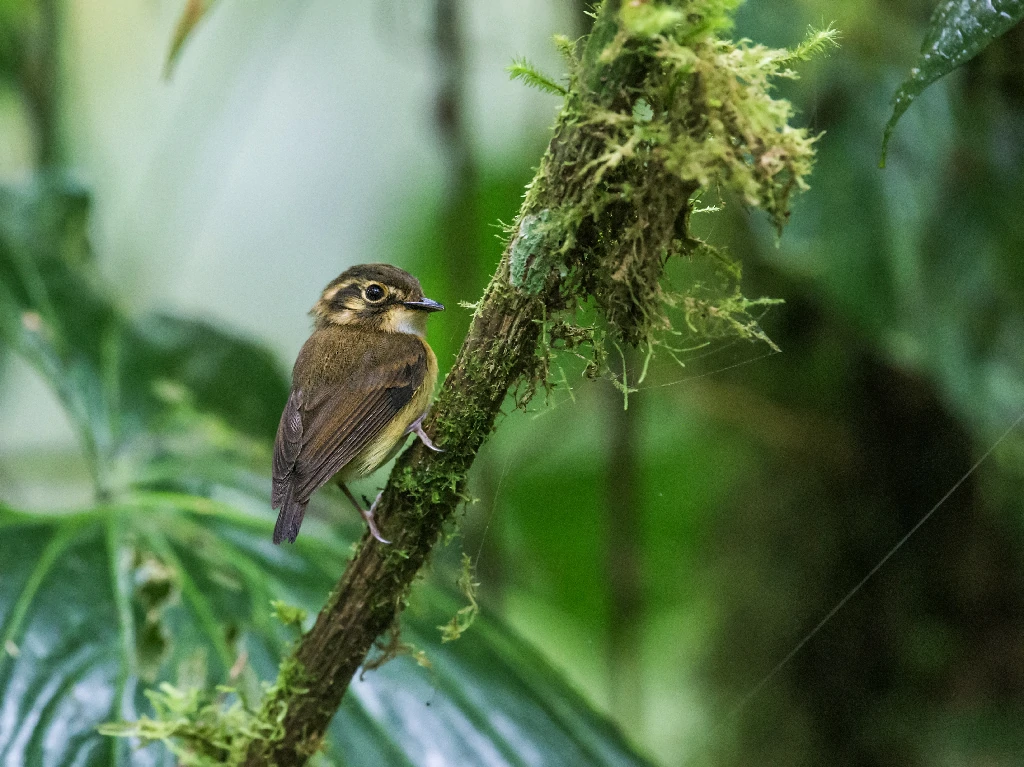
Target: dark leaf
column 116, row 376
column 230, row 376
column 959, row 30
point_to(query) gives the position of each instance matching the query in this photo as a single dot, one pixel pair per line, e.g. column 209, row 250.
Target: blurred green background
column 667, row 557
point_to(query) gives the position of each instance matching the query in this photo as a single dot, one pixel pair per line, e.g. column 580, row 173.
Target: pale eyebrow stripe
column 333, row 291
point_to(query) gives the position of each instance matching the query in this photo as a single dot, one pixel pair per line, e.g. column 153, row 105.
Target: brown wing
column 347, row 386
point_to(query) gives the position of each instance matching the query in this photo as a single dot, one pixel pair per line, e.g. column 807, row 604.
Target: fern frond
column 521, row 69
column 567, row 47
column 817, row 42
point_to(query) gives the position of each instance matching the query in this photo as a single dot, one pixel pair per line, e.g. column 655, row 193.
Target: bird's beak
column 424, row 305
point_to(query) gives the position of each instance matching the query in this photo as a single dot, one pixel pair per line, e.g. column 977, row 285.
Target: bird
column 361, row 383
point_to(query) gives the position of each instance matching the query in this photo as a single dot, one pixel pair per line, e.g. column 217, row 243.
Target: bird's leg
column 367, row 513
column 416, row 427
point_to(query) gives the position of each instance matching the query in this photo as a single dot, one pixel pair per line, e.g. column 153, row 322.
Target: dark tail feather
column 289, row 519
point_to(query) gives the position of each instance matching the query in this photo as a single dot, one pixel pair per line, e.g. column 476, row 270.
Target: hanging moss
column 656, row 112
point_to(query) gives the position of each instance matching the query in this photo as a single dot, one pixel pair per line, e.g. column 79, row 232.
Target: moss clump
column 611, row 202
column 204, row 729
column 466, row 614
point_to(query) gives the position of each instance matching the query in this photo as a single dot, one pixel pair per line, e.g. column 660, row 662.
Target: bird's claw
column 370, row 522
column 367, row 513
column 417, row 429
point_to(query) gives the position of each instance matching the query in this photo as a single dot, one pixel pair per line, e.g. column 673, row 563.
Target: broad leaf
column 169, row 578
column 958, row 31
column 120, row 380
column 98, row 605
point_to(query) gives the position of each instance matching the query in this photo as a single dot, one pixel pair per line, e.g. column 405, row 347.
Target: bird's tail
column 289, row 519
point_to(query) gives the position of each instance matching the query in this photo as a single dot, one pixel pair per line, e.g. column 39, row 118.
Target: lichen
column 530, row 262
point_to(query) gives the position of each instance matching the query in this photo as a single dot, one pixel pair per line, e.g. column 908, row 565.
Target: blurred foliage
column 169, row 577
column 767, row 486
column 193, row 13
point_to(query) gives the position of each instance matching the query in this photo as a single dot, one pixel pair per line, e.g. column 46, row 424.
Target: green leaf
column 77, row 593
column 172, row 577
column 486, row 699
column 958, row 31
column 119, row 379
column 236, row 379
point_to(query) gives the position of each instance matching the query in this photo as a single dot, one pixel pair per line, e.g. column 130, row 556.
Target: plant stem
column 38, row 81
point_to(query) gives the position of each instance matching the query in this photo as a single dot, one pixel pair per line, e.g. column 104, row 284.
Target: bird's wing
column 326, row 427
column 287, row 446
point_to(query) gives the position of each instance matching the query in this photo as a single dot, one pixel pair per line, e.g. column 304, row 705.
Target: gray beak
column 424, row 305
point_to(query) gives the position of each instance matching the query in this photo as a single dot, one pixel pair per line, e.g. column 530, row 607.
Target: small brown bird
column 361, row 383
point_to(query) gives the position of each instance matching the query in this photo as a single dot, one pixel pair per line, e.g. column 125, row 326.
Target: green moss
column 213, row 729
column 390, row 646
column 465, row 615
column 289, row 615
column 610, row 204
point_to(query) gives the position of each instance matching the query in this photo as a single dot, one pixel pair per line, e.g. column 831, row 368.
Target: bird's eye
column 373, row 293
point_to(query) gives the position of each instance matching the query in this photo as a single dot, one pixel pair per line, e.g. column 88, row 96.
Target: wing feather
column 332, row 416
column 287, row 445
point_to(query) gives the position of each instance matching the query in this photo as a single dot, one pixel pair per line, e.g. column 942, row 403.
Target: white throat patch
column 410, row 321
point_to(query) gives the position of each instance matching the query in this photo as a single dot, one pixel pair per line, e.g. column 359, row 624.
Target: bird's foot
column 368, row 516
column 417, row 428
column 367, row 513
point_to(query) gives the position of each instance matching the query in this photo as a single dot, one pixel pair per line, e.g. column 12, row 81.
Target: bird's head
column 375, row 297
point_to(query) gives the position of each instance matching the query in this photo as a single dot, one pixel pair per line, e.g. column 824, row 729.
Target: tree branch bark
column 609, row 204
column 422, row 494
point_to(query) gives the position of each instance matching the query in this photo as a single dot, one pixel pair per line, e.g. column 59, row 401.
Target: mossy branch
column 658, row 108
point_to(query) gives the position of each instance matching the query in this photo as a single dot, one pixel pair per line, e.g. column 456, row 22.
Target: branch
column 657, row 108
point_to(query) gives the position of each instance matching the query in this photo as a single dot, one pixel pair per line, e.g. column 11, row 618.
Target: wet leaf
column 73, row 609
column 958, row 31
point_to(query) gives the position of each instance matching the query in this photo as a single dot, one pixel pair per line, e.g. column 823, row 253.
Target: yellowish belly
column 390, row 440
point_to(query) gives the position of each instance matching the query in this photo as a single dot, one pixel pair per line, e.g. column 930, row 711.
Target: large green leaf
column 161, row 587
column 120, row 380
column 958, row 31
column 170, row 576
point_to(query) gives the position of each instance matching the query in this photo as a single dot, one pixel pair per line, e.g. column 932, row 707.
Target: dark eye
column 374, row 293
